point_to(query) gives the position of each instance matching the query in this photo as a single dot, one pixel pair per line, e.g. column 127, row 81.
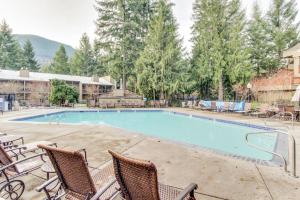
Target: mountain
column 44, row 48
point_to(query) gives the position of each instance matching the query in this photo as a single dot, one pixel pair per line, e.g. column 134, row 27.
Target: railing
column 285, row 116
column 294, row 166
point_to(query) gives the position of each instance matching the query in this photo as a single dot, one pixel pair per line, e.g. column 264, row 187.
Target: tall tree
column 284, row 28
column 121, row 29
column 60, row 63
column 260, row 43
column 82, row 63
column 29, row 57
column 159, row 66
column 219, row 56
column 10, row 50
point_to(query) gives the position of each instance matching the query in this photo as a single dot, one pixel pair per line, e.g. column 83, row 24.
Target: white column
column 297, row 66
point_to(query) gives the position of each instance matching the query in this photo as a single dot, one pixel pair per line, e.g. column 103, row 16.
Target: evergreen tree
column 159, row 66
column 60, row 63
column 260, row 44
column 121, row 29
column 99, row 68
column 219, row 56
column 10, row 50
column 82, row 63
column 283, row 27
column 29, row 57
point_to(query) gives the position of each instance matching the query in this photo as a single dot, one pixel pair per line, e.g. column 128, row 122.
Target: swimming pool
column 219, row 135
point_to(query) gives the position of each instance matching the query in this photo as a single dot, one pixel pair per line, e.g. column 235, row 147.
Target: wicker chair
column 138, row 181
column 11, row 187
column 76, row 180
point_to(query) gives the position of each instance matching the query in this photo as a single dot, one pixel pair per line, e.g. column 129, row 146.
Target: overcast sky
column 66, row 20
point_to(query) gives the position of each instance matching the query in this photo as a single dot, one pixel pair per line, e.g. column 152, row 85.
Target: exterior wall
column 274, row 97
column 36, row 93
column 279, row 87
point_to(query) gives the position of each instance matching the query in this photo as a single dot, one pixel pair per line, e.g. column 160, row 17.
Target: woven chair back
column 137, row 179
column 72, row 170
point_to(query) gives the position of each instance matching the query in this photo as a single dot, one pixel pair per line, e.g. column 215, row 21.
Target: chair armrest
column 104, row 189
column 15, row 148
column 11, row 141
column 189, row 190
column 46, row 183
column 20, row 161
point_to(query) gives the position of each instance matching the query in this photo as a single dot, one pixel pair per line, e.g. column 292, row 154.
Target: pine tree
column 159, row 66
column 60, row 63
column 219, row 56
column 121, row 29
column 283, row 26
column 10, row 50
column 99, row 68
column 29, row 57
column 82, row 63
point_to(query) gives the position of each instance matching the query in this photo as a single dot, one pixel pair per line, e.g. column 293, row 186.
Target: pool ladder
column 285, row 163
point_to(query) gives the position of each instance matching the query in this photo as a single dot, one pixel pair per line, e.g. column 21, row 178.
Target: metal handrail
column 282, row 114
column 265, row 150
column 276, row 154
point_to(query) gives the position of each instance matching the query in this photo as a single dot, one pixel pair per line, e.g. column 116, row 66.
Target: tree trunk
column 221, row 88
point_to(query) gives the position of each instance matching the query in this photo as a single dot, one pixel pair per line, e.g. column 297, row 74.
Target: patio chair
column 239, row 107
column 190, row 104
column 231, row 106
column 220, row 106
column 15, row 145
column 262, row 111
column 76, row 179
column 11, row 186
column 204, row 105
column 138, row 181
column 213, row 106
column 247, row 109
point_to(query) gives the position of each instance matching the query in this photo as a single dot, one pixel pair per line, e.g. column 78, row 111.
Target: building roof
column 36, row 76
column 292, row 52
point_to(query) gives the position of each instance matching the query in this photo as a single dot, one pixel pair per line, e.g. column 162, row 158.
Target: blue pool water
column 212, row 134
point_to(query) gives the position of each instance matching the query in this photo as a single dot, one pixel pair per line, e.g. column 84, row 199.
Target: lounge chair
column 204, row 105
column 15, row 145
column 231, row 106
column 247, row 109
column 239, row 107
column 262, row 111
column 11, row 186
column 220, row 106
column 76, row 179
column 138, row 181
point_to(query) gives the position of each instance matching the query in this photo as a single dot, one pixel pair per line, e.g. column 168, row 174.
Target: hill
column 44, row 48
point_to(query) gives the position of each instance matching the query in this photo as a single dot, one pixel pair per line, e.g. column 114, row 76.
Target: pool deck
column 218, row 176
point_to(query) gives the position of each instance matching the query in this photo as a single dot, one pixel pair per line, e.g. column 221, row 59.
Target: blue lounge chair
column 239, row 107
column 231, row 106
column 220, row 106
column 205, row 105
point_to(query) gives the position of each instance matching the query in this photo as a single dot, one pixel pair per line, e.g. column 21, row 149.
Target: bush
column 61, row 92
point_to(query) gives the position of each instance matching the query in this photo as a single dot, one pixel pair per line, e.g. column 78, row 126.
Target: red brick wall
column 282, row 80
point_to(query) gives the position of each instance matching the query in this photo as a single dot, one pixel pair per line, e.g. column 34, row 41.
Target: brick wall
column 282, row 80
column 275, row 88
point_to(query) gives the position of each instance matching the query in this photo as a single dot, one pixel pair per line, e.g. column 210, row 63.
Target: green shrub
column 61, row 92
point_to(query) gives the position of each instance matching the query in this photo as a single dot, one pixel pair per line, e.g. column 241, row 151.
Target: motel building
column 32, row 88
column 280, row 86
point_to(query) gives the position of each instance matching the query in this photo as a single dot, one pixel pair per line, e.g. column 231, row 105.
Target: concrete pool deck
column 218, row 177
